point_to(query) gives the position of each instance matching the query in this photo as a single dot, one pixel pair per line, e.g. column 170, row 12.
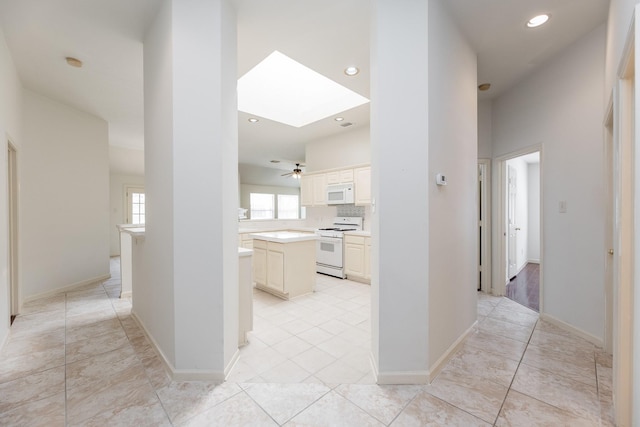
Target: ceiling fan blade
column 287, row 174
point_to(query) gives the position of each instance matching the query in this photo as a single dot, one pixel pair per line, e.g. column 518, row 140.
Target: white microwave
column 340, row 194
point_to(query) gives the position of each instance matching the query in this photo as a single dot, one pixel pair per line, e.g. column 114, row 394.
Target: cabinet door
column 354, row 260
column 275, row 270
column 363, row 185
column 367, row 258
column 346, row 176
column 333, row 178
column 306, row 190
column 319, row 189
column 260, row 265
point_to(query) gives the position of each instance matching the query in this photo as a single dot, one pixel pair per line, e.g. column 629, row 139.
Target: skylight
column 283, row 90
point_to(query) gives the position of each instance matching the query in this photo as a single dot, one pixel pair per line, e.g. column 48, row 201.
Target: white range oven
column 329, row 247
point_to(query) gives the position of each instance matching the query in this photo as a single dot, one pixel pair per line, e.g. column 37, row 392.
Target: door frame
column 626, row 125
column 499, row 226
column 12, row 225
column 484, row 166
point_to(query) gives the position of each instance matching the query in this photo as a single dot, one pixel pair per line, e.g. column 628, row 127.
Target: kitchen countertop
column 284, row 236
column 134, row 231
column 358, row 233
column 242, row 252
column 272, row 229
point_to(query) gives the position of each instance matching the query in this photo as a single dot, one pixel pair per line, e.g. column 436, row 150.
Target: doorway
column 12, row 232
column 484, row 225
column 521, row 224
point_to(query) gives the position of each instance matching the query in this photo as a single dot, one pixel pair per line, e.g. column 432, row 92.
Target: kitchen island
column 284, row 262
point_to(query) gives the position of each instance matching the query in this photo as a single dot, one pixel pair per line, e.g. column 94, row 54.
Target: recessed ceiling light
column 283, row 90
column 351, row 71
column 536, row 21
column 74, row 62
column 484, row 86
column 253, row 120
column 339, row 119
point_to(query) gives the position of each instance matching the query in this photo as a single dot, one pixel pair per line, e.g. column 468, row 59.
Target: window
column 274, row 206
column 135, row 207
column 288, row 206
column 262, row 206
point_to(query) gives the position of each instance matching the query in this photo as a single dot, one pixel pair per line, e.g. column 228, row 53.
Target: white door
column 512, row 228
column 135, row 205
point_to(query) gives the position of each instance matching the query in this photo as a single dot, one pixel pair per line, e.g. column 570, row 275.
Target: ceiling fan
column 296, row 173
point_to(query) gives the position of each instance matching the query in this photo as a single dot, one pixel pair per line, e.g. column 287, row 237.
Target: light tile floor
column 79, row 359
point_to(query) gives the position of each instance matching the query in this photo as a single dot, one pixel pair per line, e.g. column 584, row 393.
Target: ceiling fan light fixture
column 538, row 20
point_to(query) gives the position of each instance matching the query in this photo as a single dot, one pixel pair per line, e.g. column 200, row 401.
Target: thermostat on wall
column 441, row 179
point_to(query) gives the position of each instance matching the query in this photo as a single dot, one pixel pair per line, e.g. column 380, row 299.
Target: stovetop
column 336, row 229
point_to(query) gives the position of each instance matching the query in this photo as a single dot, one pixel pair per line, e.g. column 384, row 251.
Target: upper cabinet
column 362, row 183
column 340, row 177
column 313, row 189
column 313, row 186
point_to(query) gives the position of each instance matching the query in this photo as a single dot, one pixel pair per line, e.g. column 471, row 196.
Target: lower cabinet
column 284, row 269
column 357, row 257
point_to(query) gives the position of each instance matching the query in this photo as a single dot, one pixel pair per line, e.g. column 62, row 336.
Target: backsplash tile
column 351, row 210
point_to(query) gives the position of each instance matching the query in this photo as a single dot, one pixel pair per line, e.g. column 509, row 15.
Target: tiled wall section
column 351, row 210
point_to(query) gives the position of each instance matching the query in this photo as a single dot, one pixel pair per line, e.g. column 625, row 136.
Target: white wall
column 485, row 129
column 561, row 107
column 191, row 159
column 453, row 151
column 118, row 208
column 10, row 128
column 533, row 248
column 64, row 197
column 342, row 150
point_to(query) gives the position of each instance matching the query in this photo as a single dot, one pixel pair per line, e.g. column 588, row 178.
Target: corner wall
column 10, row 128
column 64, row 197
column 453, row 151
column 561, row 108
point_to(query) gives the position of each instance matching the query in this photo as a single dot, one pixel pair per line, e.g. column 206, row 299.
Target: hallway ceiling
column 325, row 35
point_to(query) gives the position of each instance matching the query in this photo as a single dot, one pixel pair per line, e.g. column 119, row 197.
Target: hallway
column 80, row 359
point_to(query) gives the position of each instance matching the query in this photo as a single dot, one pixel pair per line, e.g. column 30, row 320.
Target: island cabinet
column 283, row 265
column 357, row 257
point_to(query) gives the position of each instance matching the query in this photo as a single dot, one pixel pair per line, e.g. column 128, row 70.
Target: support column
column 191, row 160
column 400, row 204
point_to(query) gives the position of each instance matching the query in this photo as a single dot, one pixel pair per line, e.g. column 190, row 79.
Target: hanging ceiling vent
column 346, row 125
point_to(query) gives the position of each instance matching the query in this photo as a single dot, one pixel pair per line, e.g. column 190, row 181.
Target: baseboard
column 359, row 279
column 451, row 351
column 570, row 328
column 533, row 261
column 127, row 294
column 68, row 288
column 185, row 374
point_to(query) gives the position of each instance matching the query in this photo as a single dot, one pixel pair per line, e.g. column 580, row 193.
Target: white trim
column 69, row 288
column 451, row 351
column 420, row 377
column 533, row 261
column 187, row 374
column 569, row 328
column 486, row 271
column 499, row 285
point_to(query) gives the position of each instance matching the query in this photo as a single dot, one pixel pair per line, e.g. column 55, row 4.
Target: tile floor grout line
column 515, row 373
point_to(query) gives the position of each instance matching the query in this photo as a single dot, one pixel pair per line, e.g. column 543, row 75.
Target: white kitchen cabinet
column 306, row 190
column 367, row 258
column 319, row 189
column 357, row 254
column 275, row 267
column 284, row 269
column 344, row 176
column 313, row 189
column 260, row 262
column 362, row 182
